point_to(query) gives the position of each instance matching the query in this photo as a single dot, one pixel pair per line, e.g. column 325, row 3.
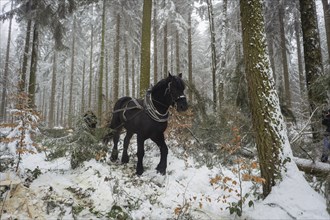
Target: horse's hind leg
column 115, row 125
column 125, row 158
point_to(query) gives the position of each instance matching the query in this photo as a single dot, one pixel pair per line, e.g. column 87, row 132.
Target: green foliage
column 118, row 213
column 81, row 145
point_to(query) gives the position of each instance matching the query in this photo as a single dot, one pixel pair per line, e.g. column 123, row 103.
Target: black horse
column 147, row 118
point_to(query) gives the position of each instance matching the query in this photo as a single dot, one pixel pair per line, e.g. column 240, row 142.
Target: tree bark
column 287, row 90
column 145, row 47
column 3, row 114
column 126, row 69
column 100, row 85
column 155, row 43
column 116, row 61
column 190, row 76
column 51, row 114
column 33, row 68
column 165, row 48
column 70, row 115
column 313, row 59
column 264, row 103
column 213, row 53
column 90, row 71
column 22, row 82
column 326, row 12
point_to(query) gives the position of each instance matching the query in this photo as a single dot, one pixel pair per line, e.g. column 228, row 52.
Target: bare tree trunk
column 25, row 57
column 101, row 70
column 287, row 90
column 116, row 61
column 213, row 51
column 133, row 77
column 313, row 59
column 51, row 114
column 3, row 114
column 107, row 93
column 70, row 115
column 33, row 68
column 145, row 47
column 62, row 102
column 177, row 37
column 302, row 81
column 155, row 43
column 126, row 69
column 190, row 77
column 326, row 11
column 83, row 89
column 90, row 71
column 165, row 48
column 264, row 102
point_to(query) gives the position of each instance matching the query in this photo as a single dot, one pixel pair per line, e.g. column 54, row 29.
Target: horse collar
column 151, row 110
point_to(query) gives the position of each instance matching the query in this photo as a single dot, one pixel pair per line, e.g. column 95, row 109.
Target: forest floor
column 105, row 190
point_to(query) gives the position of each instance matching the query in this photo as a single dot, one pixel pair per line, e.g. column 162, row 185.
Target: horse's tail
column 108, row 136
column 116, row 119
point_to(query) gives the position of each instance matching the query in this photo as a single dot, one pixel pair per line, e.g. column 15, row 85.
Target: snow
column 99, row 186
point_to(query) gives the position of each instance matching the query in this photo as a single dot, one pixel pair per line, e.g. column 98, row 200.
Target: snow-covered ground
column 104, row 190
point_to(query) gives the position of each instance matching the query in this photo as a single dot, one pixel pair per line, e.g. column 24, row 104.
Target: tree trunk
column 33, row 68
column 133, row 77
column 107, row 93
column 6, row 73
column 22, row 82
column 313, row 60
column 70, row 115
column 100, row 86
column 62, row 101
column 145, row 47
column 190, row 77
column 155, row 43
column 116, row 61
column 165, row 47
column 126, row 69
column 302, row 81
column 51, row 114
column 287, row 91
column 83, row 89
column 213, row 53
column 266, row 116
column 326, row 11
column 90, row 71
column 177, row 37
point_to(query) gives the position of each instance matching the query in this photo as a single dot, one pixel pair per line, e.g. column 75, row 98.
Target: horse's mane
column 164, row 82
column 159, row 85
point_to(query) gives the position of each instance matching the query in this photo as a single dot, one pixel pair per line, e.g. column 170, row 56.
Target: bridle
column 151, row 109
column 168, row 90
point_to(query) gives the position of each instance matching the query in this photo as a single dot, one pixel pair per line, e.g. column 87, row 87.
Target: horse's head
column 176, row 89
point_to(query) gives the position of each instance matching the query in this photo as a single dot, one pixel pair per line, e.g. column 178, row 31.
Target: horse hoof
column 124, row 160
column 162, row 172
column 139, row 172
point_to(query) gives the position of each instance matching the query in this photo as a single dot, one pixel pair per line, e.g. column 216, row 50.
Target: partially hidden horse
column 147, row 118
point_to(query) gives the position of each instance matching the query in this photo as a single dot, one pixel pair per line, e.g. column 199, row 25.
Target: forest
column 252, row 143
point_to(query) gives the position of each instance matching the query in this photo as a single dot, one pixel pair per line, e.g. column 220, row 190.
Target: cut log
column 317, row 168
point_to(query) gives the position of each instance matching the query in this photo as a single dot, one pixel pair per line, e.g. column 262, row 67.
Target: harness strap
column 137, row 106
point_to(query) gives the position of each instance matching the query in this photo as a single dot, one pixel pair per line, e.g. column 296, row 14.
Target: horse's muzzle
column 181, row 104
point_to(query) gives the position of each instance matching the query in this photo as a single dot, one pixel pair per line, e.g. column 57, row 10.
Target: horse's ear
column 180, row 75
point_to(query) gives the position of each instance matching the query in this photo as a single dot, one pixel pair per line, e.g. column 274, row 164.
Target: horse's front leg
column 114, row 153
column 140, row 155
column 160, row 141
